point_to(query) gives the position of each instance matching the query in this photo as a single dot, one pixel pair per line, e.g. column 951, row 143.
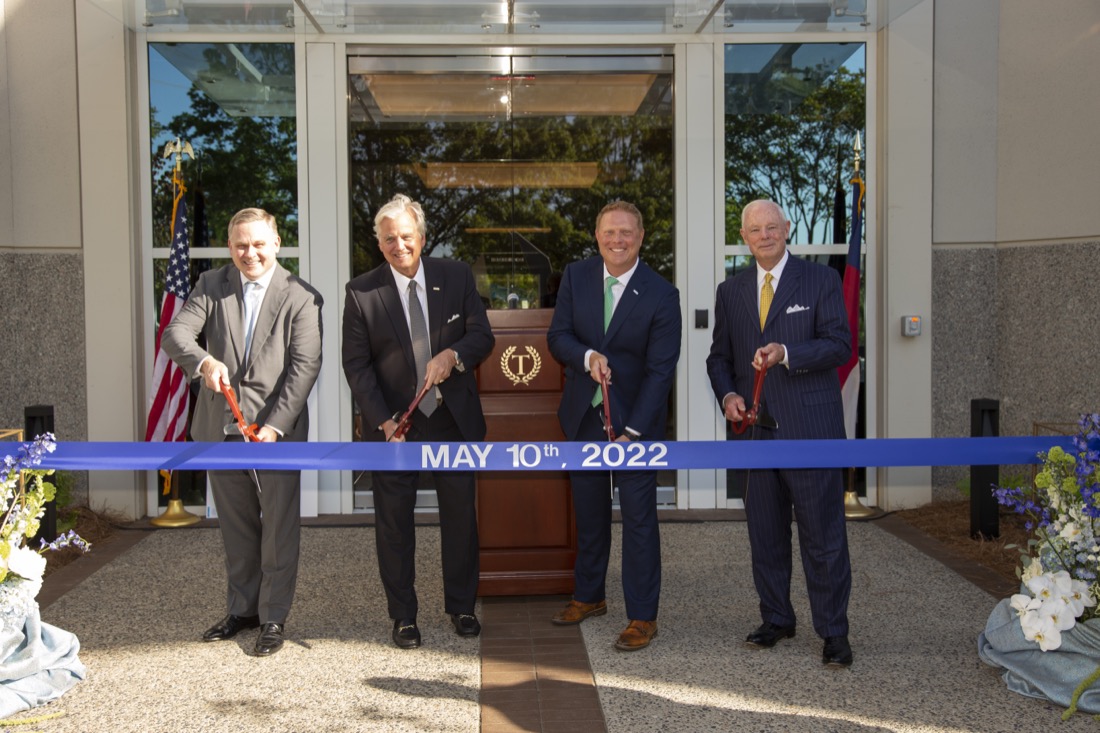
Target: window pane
column 792, row 112
column 234, row 104
column 513, row 165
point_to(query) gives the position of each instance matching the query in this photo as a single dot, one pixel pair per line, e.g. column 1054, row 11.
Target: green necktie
column 766, row 295
column 608, row 309
column 608, row 301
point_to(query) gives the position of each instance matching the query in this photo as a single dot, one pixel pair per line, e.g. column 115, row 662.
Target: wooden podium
column 525, row 518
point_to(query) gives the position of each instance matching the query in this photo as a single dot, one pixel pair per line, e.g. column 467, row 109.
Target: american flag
column 171, row 393
column 849, row 372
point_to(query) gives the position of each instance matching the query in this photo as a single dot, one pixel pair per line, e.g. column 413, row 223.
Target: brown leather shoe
column 576, row 612
column 636, row 635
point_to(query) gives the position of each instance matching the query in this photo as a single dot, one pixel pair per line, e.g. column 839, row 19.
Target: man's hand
column 733, row 407
column 387, row 429
column 439, row 368
column 768, row 356
column 598, row 367
column 266, row 435
column 213, row 374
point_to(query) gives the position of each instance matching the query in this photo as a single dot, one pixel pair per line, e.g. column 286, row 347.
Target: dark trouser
column 641, row 561
column 817, row 500
column 395, row 533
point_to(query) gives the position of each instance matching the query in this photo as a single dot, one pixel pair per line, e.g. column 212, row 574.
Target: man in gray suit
column 787, row 315
column 262, row 328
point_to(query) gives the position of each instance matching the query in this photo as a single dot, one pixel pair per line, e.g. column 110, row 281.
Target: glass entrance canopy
column 528, row 18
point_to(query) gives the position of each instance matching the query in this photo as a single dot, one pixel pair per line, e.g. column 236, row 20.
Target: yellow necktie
column 766, row 295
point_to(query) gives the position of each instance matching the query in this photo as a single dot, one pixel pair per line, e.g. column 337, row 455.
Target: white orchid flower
column 1042, row 630
column 1079, row 597
column 1059, row 612
column 1022, row 603
column 1042, row 586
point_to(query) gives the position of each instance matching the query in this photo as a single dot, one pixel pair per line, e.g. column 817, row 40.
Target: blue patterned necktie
column 253, row 293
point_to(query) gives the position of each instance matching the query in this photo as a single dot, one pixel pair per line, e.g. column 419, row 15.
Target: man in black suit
column 615, row 313
column 408, row 324
column 262, row 327
column 787, row 315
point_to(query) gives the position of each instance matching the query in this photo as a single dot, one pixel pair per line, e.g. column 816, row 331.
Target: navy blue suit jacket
column 642, row 346
column 808, row 317
column 377, row 349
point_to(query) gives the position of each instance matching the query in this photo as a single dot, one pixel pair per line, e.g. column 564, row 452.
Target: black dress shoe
column 269, row 641
column 405, row 633
column 229, row 627
column 466, row 624
column 837, row 652
column 768, row 634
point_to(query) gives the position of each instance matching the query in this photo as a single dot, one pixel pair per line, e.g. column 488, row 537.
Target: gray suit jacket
column 283, row 363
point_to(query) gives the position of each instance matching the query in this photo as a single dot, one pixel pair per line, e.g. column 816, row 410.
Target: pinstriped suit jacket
column 808, row 317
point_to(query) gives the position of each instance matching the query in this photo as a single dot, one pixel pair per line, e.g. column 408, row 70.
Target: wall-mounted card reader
column 910, row 325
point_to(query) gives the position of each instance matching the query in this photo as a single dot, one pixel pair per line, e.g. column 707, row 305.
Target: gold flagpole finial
column 179, row 149
column 857, row 148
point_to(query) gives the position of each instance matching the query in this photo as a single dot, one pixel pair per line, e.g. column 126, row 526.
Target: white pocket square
column 453, row 318
column 797, row 308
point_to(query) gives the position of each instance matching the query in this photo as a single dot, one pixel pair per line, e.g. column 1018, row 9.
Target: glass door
column 512, row 153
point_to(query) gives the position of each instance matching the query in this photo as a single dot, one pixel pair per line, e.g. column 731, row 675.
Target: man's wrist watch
column 458, row 362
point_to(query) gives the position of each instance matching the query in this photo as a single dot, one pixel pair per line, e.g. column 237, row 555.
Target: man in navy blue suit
column 799, row 333
column 635, row 347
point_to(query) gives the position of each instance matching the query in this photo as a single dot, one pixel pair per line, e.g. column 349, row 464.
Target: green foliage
column 67, row 514
column 633, row 154
column 239, row 161
column 795, row 157
column 1012, row 480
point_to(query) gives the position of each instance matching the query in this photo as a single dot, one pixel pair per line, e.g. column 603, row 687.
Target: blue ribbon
column 502, row 456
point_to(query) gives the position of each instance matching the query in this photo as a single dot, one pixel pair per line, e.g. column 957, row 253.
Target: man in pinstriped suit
column 803, row 339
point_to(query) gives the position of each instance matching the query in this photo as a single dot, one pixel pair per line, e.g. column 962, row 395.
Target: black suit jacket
column 377, row 348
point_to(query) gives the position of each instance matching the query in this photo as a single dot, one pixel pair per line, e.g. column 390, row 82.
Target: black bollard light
column 38, row 419
column 985, row 421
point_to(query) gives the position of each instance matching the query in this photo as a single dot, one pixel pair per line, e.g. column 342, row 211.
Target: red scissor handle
column 248, row 431
column 739, row 426
column 606, row 410
column 404, row 422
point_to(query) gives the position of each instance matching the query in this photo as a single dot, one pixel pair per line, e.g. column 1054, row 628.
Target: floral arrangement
column 24, row 491
column 1060, row 565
